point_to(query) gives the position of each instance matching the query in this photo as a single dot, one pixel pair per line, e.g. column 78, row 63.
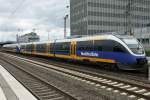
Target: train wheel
column 114, row 67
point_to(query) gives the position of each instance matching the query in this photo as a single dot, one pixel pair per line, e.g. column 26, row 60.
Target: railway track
column 140, row 77
column 39, row 87
column 132, row 90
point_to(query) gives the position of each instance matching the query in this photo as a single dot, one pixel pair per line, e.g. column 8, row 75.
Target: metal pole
column 65, row 25
column 34, row 29
column 18, row 35
column 48, row 35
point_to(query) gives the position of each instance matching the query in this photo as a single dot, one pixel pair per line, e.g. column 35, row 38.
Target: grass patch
column 148, row 53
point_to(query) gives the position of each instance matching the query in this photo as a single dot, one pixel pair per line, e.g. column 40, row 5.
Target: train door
column 32, row 48
column 73, row 49
column 50, row 49
column 18, row 48
column 47, row 48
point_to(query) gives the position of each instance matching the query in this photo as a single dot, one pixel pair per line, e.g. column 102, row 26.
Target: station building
column 30, row 37
column 90, row 17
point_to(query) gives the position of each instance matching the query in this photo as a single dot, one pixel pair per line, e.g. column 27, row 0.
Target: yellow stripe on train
column 74, row 57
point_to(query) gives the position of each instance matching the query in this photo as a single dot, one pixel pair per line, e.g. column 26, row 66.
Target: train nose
column 142, row 61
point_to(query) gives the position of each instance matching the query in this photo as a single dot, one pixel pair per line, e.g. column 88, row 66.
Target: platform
column 11, row 89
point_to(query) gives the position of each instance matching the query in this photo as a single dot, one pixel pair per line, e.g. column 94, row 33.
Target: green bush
column 148, row 53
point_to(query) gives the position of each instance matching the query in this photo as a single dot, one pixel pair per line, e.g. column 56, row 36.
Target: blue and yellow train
column 123, row 52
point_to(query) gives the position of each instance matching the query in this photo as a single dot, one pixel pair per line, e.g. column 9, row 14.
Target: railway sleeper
column 51, row 96
column 43, row 91
column 49, row 92
column 46, row 93
column 40, row 88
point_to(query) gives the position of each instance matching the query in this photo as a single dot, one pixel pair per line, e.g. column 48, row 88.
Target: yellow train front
column 125, row 52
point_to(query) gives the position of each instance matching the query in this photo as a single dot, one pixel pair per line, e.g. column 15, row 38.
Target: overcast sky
column 43, row 15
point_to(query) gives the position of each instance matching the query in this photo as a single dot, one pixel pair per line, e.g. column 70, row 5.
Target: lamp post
column 65, row 22
column 65, row 25
column 17, row 36
column 48, row 34
column 34, row 29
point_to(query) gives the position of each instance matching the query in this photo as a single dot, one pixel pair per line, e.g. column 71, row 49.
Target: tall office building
column 97, row 16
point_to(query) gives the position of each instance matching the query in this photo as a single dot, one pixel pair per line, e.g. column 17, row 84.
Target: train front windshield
column 134, row 45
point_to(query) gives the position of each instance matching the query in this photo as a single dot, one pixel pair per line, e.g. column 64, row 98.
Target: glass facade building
column 90, row 17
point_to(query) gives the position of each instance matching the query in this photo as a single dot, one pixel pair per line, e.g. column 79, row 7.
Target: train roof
column 97, row 37
column 84, row 38
column 7, row 45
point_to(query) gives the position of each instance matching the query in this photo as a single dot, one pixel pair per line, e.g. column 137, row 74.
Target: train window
column 103, row 45
column 41, row 48
column 97, row 45
column 62, row 47
column 117, row 49
column 108, row 46
column 29, row 47
column 23, row 47
column 98, row 48
column 85, row 45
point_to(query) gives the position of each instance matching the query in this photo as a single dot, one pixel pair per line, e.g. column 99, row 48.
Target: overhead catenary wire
column 16, row 8
column 12, row 13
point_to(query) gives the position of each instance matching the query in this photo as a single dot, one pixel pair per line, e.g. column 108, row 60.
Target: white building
column 30, row 37
column 143, row 35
